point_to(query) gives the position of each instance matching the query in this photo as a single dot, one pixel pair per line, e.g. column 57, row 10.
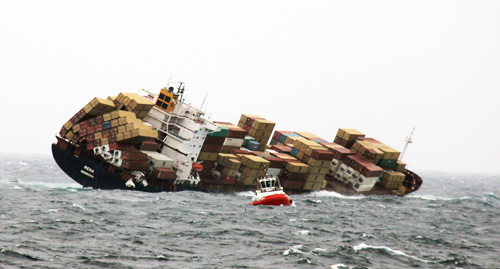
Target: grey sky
column 381, row 67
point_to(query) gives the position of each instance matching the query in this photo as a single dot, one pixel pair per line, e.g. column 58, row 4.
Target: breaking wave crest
column 387, row 250
column 335, row 195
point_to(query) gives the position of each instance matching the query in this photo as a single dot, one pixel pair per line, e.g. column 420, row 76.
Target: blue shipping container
column 253, row 145
column 294, row 152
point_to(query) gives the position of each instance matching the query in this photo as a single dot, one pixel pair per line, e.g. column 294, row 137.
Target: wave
column 246, row 194
column 303, row 232
column 335, row 195
column 293, row 250
column 340, row 266
column 388, row 250
column 437, row 198
column 52, row 185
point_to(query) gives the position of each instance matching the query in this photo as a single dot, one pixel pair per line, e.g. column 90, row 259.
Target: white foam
column 340, row 266
column 294, row 249
column 79, row 206
column 436, row 198
column 246, row 194
column 18, row 188
column 335, row 195
column 364, row 246
column 53, row 185
column 23, row 163
column 319, row 250
column 303, row 232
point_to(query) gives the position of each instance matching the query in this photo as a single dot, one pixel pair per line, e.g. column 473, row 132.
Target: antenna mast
column 204, row 99
column 407, row 141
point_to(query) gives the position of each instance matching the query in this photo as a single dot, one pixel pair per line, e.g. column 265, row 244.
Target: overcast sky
column 381, row 67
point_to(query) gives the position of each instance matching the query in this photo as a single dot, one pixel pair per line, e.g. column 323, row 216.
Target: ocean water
column 48, row 221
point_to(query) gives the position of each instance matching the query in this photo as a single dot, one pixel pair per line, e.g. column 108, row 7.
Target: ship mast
column 407, row 141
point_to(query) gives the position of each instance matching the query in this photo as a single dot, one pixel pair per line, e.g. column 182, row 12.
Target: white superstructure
column 183, row 132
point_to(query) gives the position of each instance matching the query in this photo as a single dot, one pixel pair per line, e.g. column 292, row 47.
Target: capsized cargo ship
column 158, row 142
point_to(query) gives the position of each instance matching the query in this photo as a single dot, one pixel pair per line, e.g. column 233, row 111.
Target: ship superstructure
column 182, row 128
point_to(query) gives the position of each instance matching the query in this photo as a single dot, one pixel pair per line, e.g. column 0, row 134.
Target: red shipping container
column 240, row 151
column 63, row 132
column 211, row 148
column 120, row 146
column 275, row 162
column 113, row 130
column 91, row 122
column 105, row 133
column 293, row 176
column 90, row 130
column 98, row 128
column 89, row 138
column 62, row 144
column 282, row 149
column 149, row 146
column 322, row 155
column 237, row 132
column 227, row 179
column 372, row 171
column 163, row 173
column 134, row 156
column 214, row 140
column 89, row 146
column 135, row 165
column 99, row 120
column 84, row 124
column 112, row 138
column 223, row 122
column 292, row 184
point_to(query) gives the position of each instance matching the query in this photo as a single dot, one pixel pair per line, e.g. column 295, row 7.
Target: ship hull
column 94, row 172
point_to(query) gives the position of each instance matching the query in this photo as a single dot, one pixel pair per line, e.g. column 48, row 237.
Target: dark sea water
column 47, row 221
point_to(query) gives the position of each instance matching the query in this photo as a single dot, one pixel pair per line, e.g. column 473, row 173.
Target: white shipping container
column 363, row 187
column 368, row 180
column 273, row 172
column 159, row 160
column 234, row 142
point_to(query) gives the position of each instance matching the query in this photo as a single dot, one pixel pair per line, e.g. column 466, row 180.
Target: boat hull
column 94, row 172
column 274, row 200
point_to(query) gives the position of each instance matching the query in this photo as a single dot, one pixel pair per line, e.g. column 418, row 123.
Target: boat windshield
column 267, row 184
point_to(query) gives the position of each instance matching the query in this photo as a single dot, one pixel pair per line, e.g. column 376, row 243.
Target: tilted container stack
column 227, row 167
column 252, row 167
column 258, row 127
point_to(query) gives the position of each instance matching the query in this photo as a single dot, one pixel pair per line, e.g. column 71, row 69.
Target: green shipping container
column 386, row 163
column 222, row 133
column 247, row 139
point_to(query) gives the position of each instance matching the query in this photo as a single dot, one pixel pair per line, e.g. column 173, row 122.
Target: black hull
column 92, row 171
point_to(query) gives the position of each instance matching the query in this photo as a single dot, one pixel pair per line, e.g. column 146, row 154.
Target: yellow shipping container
column 247, row 180
column 313, row 186
column 401, row 166
column 315, row 178
column 297, row 167
column 229, row 172
column 254, row 162
column 224, row 157
column 318, row 170
column 389, row 153
column 318, row 163
column 247, row 171
column 98, row 106
column 349, row 134
column 233, row 164
column 261, row 124
column 121, row 114
column 207, row 156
